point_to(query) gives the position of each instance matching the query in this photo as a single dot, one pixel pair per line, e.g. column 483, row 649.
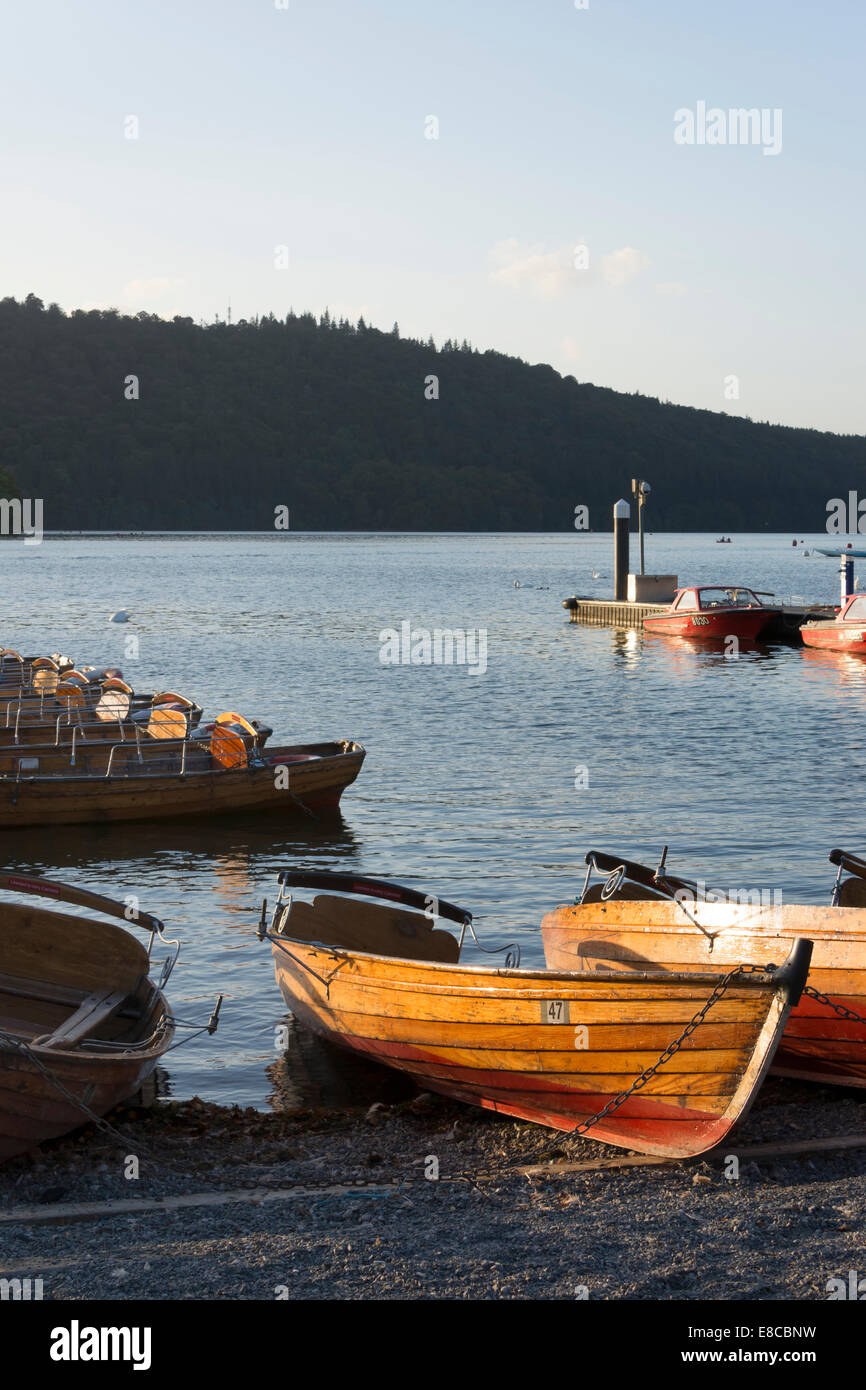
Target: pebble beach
column 345, row 1205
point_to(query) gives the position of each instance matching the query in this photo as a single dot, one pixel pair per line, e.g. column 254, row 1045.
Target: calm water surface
column 750, row 769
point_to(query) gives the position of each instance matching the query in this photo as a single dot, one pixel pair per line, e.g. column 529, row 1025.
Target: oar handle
column 851, row 862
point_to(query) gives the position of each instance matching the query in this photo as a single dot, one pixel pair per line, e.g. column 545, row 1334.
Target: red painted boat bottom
column 654, row 1126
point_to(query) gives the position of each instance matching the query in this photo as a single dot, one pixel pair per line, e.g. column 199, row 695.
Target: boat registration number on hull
column 555, row 1011
column 700, row 622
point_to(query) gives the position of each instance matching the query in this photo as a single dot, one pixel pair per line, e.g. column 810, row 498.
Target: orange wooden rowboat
column 642, row 919
column 226, row 776
column 81, row 1022
column 556, row 1047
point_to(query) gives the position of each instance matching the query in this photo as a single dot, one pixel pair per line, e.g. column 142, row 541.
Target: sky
column 515, row 172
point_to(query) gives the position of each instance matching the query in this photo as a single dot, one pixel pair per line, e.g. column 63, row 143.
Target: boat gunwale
column 758, row 979
column 753, row 925
column 97, row 779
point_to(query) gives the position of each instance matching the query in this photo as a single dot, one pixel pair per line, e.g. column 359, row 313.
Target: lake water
column 750, row 769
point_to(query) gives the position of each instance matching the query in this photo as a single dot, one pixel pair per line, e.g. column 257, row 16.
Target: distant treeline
column 141, row 423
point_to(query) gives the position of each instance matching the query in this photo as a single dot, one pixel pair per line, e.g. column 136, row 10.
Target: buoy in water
column 120, row 616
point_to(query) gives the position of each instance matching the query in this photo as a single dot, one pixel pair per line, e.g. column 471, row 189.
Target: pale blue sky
column 261, row 127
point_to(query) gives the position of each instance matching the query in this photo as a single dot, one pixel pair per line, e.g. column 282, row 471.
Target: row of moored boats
column 80, row 745
column 659, row 1012
column 716, row 613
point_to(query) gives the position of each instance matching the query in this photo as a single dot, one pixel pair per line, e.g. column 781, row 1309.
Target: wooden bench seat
column 92, row 1011
column 47, row 993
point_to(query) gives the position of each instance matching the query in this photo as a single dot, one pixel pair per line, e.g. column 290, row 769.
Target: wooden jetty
column 596, row 612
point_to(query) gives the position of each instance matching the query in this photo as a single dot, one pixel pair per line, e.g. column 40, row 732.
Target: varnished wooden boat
column 643, row 919
column 89, row 745
column 53, row 716
column 81, row 1022
column 18, row 671
column 224, row 777
column 551, row 1046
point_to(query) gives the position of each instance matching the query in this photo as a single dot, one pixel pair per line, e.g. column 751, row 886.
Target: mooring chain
column 670, row 1051
column 840, row 1009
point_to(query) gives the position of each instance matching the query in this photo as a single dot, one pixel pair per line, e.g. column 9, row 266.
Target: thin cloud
column 134, row 291
column 621, row 266
column 547, row 273
column 555, row 273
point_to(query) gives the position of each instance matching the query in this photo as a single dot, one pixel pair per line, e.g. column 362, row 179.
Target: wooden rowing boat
column 713, row 613
column 551, row 1046
column 55, row 715
column 17, row 670
column 89, row 745
column 643, row 919
column 81, row 1022
column 190, row 779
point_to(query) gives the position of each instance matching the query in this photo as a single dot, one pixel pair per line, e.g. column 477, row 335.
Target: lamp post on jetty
column 640, row 491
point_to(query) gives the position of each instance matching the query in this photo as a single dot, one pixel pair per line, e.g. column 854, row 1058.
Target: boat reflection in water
column 313, row 1074
column 190, row 846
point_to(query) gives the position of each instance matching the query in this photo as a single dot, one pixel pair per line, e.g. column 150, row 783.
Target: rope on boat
column 512, row 950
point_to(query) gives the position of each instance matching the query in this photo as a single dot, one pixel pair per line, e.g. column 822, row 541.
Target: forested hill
column 330, row 419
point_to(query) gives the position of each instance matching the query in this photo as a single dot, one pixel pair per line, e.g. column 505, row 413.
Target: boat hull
column 314, row 779
column 33, row 1109
column 715, row 626
column 835, row 637
column 548, row 1047
column 817, row 1044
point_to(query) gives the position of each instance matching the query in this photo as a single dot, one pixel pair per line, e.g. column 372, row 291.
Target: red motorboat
column 845, row 633
column 713, row 612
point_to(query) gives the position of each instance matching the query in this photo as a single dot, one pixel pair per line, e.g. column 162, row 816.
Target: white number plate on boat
column 700, row 622
column 554, row 1011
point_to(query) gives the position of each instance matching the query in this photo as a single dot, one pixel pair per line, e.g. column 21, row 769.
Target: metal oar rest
column 626, row 879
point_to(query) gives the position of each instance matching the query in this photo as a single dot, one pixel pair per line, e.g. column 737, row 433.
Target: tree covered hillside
column 333, row 421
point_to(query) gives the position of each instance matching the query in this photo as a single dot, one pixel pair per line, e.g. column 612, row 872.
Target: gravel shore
column 779, row 1230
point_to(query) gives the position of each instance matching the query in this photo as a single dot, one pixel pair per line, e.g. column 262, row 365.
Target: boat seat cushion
column 92, row 1012
column 370, row 927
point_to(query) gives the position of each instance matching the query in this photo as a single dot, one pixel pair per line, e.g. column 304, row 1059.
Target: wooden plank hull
column 32, row 1109
column 817, row 1044
column 488, row 1037
column 81, row 1022
column 315, row 782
